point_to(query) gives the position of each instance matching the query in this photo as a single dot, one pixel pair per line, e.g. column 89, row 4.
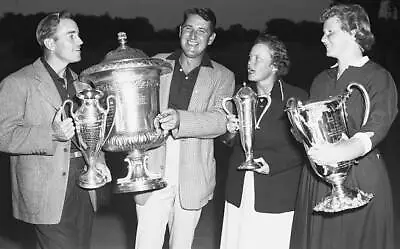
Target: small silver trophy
column 246, row 101
column 325, row 122
column 90, row 123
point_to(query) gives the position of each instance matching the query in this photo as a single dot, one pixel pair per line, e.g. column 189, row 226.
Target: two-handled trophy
column 324, row 122
column 134, row 79
column 90, row 123
column 246, row 102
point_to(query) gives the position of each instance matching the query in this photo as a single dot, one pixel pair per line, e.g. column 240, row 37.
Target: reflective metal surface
column 90, row 123
column 133, row 78
column 325, row 122
column 245, row 101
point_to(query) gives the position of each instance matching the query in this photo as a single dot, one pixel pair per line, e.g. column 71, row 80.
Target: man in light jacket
column 190, row 103
column 45, row 165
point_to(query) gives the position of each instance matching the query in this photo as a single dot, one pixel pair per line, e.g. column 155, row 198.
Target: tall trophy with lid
column 246, row 102
column 133, row 79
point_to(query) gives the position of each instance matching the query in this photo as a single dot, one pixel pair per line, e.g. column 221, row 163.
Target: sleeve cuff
column 365, row 140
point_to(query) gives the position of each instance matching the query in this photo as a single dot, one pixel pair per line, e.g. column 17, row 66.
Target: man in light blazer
column 44, row 164
column 190, row 103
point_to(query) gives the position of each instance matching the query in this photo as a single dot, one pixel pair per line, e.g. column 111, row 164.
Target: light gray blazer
column 39, row 166
column 204, row 120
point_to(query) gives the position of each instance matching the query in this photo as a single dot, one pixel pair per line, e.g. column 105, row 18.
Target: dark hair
column 353, row 17
column 48, row 25
column 205, row 13
column 280, row 58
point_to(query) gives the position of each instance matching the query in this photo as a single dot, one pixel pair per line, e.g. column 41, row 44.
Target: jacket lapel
column 165, row 83
column 45, row 84
column 202, row 85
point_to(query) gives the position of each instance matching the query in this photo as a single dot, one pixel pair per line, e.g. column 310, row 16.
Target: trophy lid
column 125, row 57
column 246, row 92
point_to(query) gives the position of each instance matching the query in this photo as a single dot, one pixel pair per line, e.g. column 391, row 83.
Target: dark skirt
column 368, row 227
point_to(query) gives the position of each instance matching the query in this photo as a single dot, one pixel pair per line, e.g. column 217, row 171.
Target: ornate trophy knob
column 325, row 122
column 90, row 122
column 246, row 101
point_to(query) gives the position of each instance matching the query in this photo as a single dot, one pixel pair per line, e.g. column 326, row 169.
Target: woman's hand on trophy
column 169, row 119
column 233, row 123
column 264, row 167
column 63, row 130
column 324, row 154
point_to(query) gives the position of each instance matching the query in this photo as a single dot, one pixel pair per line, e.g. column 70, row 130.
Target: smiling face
column 195, row 35
column 336, row 41
column 65, row 45
column 259, row 65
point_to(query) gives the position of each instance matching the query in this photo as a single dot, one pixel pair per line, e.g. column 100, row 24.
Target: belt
column 75, row 154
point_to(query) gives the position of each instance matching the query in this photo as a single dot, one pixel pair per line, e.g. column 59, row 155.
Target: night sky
column 168, row 13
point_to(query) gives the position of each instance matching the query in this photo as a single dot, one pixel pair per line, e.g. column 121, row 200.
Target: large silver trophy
column 246, row 102
column 134, row 79
column 90, row 122
column 326, row 122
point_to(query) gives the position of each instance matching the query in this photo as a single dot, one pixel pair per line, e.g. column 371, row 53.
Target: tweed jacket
column 39, row 166
column 204, row 120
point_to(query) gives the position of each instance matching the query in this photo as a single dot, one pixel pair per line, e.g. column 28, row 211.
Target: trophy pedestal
column 139, row 178
column 139, row 185
column 343, row 199
column 248, row 165
column 91, row 180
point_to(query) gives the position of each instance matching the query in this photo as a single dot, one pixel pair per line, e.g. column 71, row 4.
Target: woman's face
column 336, row 41
column 259, row 65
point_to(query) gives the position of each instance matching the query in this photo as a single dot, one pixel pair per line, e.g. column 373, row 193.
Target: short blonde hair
column 353, row 17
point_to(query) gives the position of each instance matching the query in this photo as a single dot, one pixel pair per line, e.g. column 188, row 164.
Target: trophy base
column 89, row 181
column 349, row 199
column 248, row 165
column 139, row 185
column 91, row 185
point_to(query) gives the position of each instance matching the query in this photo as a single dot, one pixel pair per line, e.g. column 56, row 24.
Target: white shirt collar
column 358, row 63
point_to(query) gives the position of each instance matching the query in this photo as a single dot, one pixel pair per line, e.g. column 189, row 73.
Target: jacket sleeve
column 16, row 135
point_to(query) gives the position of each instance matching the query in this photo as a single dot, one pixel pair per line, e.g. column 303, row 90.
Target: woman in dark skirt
column 346, row 36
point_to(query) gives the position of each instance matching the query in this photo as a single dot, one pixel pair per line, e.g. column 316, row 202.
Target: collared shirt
column 65, row 89
column 182, row 84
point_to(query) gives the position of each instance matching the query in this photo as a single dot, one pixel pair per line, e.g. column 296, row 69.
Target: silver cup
column 246, row 101
column 90, row 123
column 325, row 122
column 134, row 79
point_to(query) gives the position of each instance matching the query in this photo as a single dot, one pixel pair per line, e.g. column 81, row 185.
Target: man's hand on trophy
column 264, row 167
column 233, row 123
column 104, row 170
column 169, row 119
column 63, row 130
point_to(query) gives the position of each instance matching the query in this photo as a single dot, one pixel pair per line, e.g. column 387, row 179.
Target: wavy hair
column 354, row 18
column 280, row 57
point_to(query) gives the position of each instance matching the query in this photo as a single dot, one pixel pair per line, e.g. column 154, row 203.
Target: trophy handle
column 109, row 97
column 292, row 109
column 71, row 108
column 224, row 101
column 365, row 96
column 82, row 145
column 269, row 101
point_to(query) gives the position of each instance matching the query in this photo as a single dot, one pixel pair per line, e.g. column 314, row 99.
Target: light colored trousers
column 163, row 207
column 244, row 228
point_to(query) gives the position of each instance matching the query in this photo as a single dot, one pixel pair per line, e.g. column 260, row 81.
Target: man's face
column 66, row 43
column 195, row 35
